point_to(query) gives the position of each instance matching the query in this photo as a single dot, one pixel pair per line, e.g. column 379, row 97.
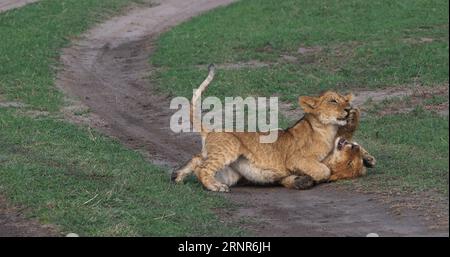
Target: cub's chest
column 324, row 144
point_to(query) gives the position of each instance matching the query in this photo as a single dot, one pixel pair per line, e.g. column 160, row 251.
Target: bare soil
column 325, row 210
column 11, row 4
column 13, row 223
column 405, row 99
column 107, row 70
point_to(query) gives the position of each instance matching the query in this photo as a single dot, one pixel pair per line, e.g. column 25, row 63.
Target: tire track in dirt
column 364, row 99
column 106, row 71
column 11, row 4
column 14, row 224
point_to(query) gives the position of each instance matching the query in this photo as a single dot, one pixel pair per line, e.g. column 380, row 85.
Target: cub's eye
column 333, row 101
column 350, row 163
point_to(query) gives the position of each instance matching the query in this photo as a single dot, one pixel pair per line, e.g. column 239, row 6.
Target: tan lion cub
column 299, row 150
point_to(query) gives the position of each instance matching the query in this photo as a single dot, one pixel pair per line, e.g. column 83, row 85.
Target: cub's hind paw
column 176, row 177
column 217, row 187
column 369, row 161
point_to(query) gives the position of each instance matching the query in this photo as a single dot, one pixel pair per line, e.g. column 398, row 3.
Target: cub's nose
column 347, row 111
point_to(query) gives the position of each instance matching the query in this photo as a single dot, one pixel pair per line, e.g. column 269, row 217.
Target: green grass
column 31, row 39
column 86, row 183
column 368, row 44
column 358, row 44
column 70, row 176
column 436, row 100
column 411, row 150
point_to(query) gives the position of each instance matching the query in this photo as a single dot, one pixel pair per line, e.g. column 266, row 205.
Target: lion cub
column 298, row 151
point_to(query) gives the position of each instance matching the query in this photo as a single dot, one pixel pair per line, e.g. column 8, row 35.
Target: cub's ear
column 307, row 103
column 349, row 97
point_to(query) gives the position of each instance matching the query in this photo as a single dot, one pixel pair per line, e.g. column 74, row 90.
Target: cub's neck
column 322, row 135
column 315, row 126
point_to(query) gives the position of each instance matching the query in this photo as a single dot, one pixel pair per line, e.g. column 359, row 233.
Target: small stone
column 426, row 40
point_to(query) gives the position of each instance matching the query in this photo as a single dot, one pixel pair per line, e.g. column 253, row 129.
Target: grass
column 91, row 185
column 31, row 39
column 73, row 177
column 368, row 44
column 338, row 45
column 411, row 150
column 436, row 100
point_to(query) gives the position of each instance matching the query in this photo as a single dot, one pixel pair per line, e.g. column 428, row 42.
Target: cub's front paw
column 353, row 118
column 302, row 182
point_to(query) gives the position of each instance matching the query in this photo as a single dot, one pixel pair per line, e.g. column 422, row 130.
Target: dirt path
column 11, row 4
column 14, row 224
column 324, row 211
column 105, row 70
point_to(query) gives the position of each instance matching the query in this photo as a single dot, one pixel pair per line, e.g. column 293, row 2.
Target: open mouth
column 355, row 147
column 341, row 143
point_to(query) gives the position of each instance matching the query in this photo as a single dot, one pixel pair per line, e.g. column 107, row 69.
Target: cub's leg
column 340, row 176
column 206, row 172
column 317, row 170
column 368, row 159
column 221, row 150
column 179, row 175
column 349, row 129
column 297, row 182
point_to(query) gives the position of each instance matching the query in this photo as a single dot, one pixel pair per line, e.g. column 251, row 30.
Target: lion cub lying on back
column 297, row 154
column 348, row 159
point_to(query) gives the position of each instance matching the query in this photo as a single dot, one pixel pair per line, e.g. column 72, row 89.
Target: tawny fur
column 299, row 150
column 346, row 163
column 347, row 133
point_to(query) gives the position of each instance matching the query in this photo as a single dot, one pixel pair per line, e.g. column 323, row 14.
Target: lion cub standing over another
column 299, row 150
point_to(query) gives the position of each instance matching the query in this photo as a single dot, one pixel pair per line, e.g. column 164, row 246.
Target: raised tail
column 196, row 97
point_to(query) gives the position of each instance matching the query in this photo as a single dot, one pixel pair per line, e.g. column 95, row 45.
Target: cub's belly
column 254, row 174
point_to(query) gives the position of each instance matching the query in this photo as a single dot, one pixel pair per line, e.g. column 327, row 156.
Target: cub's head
column 330, row 108
column 346, row 160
